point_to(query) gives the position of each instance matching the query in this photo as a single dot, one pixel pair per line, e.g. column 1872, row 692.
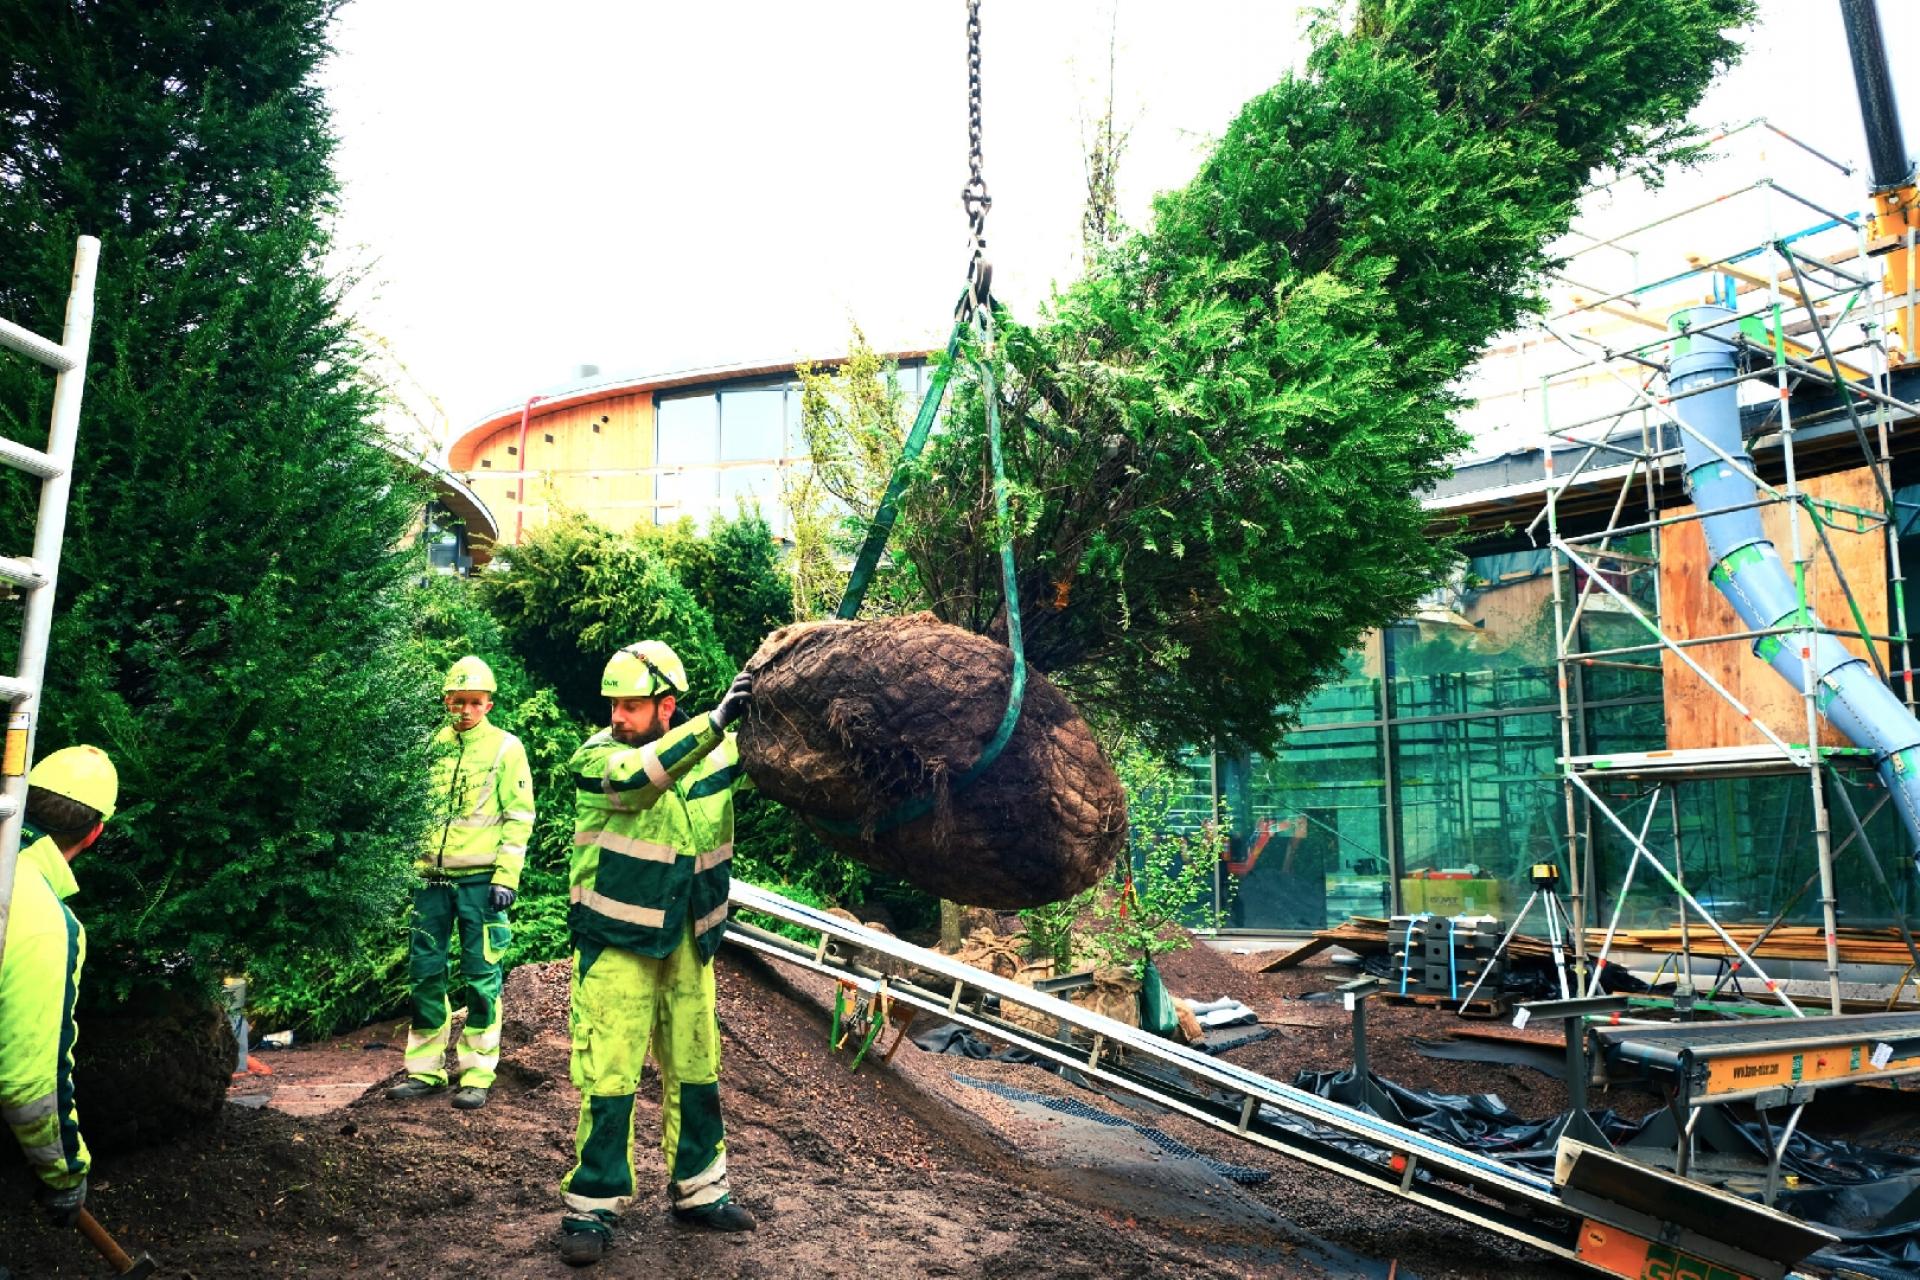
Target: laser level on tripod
column 1546, row 888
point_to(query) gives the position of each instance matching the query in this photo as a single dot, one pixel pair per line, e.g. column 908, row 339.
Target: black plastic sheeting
column 1868, row 1197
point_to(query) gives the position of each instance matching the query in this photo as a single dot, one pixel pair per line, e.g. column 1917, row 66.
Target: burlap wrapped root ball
column 852, row 720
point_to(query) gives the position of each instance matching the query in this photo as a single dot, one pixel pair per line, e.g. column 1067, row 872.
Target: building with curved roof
column 644, row 448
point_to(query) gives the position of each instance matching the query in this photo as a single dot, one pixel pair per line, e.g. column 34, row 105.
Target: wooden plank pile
column 1788, row 942
column 1367, row 935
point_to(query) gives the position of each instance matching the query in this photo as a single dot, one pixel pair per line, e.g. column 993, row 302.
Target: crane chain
column 974, row 197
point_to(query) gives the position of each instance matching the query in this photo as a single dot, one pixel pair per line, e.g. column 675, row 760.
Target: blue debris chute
column 1749, row 572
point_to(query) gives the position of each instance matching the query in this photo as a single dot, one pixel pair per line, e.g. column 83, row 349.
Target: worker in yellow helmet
column 653, row 832
column 70, row 796
column 481, row 790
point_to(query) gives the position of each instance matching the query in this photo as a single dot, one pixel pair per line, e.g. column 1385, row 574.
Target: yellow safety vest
column 481, row 792
column 653, row 836
column 39, row 979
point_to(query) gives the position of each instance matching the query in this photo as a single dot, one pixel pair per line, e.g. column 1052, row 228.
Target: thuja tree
column 229, row 620
column 1218, row 438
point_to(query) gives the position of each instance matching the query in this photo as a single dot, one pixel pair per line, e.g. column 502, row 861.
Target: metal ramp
column 1583, row 1223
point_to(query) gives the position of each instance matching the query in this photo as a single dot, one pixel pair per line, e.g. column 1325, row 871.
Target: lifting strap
column 975, row 311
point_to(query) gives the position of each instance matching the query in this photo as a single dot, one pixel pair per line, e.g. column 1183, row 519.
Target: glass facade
column 1426, row 778
column 720, row 448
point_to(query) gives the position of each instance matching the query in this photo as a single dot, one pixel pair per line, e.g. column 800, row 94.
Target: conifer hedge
column 230, row 622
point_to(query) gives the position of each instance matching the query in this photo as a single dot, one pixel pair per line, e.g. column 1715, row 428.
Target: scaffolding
column 1813, row 320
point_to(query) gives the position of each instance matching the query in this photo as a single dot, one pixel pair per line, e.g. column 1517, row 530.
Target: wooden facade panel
column 599, row 473
column 1691, row 606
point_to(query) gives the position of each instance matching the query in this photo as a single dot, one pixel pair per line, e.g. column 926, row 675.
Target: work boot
column 470, row 1098
column 413, row 1087
column 724, row 1215
column 584, row 1241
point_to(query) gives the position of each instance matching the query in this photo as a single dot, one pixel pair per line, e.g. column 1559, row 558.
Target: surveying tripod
column 1546, row 888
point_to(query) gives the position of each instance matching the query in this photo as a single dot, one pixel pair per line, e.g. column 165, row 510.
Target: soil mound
column 853, row 720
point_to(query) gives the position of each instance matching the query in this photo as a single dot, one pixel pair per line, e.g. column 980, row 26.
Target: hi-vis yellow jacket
column 39, row 979
column 481, row 792
column 653, row 834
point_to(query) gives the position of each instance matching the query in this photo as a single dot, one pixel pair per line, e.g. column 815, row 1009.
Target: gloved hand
column 499, row 897
column 733, row 704
column 63, row 1205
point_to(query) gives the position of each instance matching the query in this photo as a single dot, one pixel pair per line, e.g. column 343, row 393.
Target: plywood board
column 1691, row 607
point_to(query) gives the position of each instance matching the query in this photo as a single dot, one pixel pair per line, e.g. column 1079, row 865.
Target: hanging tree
column 1215, row 443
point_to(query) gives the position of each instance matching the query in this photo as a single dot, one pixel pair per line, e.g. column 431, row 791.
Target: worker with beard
column 653, row 834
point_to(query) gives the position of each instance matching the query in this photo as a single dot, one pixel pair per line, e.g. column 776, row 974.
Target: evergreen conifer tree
column 1218, row 439
column 230, row 615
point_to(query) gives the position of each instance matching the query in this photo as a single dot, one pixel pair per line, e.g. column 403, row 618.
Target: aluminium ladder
column 1598, row 1210
column 35, row 576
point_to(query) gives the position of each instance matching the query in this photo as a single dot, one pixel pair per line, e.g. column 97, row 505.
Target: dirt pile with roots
column 851, row 721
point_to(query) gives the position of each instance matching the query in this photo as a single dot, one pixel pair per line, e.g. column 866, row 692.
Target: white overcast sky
column 649, row 186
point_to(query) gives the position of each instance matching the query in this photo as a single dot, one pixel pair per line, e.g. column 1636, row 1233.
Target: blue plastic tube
column 1748, row 570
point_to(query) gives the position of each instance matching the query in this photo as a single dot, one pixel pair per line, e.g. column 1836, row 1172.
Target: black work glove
column 62, row 1205
column 733, row 704
column 499, row 897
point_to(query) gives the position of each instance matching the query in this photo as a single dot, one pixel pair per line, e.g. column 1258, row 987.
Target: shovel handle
column 97, row 1235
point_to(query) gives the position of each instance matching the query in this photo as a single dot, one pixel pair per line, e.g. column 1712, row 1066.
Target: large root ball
column 851, row 721
column 149, row 1075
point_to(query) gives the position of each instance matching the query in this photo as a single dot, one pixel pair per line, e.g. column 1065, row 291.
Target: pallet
column 1485, row 1007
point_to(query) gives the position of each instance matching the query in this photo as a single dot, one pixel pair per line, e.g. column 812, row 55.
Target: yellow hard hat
column 82, row 774
column 645, row 670
column 469, row 673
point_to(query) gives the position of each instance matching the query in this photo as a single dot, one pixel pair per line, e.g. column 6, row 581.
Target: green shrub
column 1166, row 884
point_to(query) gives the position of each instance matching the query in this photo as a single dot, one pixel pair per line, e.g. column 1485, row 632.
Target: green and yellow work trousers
column 484, row 934
column 622, row 1001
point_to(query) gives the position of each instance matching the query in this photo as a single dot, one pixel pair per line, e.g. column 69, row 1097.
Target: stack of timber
column 1788, row 942
column 1367, row 935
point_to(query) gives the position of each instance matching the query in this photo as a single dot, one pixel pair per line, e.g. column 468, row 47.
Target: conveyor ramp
column 1594, row 1211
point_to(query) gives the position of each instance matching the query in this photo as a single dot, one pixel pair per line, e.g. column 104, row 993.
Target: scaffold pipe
column 1749, row 572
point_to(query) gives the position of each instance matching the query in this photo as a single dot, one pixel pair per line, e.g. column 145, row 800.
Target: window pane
column 796, row 434
column 687, row 430
column 1479, row 803
column 912, row 381
column 743, row 487
column 751, row 423
column 693, row 493
column 1306, row 831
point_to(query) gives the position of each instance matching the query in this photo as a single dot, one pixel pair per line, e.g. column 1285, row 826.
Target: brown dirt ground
column 896, row 1170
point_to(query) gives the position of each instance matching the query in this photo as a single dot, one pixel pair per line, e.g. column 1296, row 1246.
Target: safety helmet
column 468, row 673
column 645, row 670
column 82, row 774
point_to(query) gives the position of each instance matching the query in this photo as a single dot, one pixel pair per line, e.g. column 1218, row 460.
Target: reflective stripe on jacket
column 480, row 790
column 45, row 948
column 653, row 835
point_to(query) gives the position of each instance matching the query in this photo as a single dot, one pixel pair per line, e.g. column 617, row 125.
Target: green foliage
column 573, row 593
column 230, row 619
column 734, row 570
column 1050, row 928
column 320, row 993
column 1173, row 867
column 854, row 416
column 1217, row 439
